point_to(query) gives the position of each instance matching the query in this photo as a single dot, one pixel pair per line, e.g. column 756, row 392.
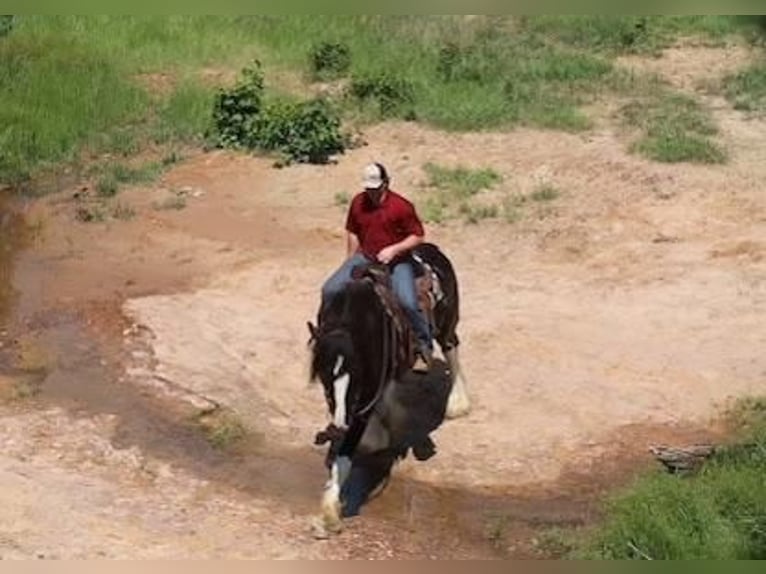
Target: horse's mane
column 357, row 325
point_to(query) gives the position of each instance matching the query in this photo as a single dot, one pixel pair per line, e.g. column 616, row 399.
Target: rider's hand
column 387, row 254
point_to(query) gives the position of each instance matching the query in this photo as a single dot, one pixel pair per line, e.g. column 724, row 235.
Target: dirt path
column 628, row 311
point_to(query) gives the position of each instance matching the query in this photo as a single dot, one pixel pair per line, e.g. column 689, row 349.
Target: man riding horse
column 383, row 227
column 394, row 292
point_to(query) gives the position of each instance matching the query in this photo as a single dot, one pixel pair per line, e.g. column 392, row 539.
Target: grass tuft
column 747, row 89
column 674, row 128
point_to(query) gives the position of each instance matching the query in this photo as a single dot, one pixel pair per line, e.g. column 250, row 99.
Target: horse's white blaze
column 340, row 388
column 331, row 505
column 338, row 365
column 459, row 404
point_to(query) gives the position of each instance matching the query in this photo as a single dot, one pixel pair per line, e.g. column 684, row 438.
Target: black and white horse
column 380, row 409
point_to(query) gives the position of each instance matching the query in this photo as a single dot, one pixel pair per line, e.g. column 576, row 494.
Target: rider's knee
column 409, row 304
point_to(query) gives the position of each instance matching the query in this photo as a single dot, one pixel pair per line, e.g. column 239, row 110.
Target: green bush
column 330, row 60
column 6, row 24
column 306, row 131
column 235, row 109
column 394, row 96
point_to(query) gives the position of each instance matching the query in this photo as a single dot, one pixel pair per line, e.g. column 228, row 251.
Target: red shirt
column 378, row 226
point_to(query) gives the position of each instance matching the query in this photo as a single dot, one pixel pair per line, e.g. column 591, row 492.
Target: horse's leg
column 367, row 480
column 458, row 404
column 331, row 505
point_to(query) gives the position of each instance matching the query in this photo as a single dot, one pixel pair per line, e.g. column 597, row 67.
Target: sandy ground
column 628, row 311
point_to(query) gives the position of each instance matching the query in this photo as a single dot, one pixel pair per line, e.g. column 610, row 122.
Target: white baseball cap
column 374, row 176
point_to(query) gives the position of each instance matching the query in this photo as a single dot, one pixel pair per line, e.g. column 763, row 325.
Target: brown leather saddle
column 428, row 290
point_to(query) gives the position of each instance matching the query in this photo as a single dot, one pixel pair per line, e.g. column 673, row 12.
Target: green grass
column 719, row 513
column 452, row 190
column 143, row 44
column 55, row 95
column 674, row 128
column 453, row 193
column 79, row 83
column 747, row 89
column 461, row 182
column 69, row 83
column 185, row 115
column 111, row 176
column 632, row 34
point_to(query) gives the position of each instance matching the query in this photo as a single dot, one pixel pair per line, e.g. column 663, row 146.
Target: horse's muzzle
column 331, row 434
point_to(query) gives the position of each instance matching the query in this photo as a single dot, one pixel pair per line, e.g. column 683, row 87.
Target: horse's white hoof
column 318, row 530
column 330, row 520
column 323, row 528
column 458, row 408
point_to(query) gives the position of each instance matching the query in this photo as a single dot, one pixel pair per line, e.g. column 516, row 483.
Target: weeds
column 392, row 95
column 107, row 186
column 123, row 212
column 223, row 428
column 6, row 24
column 330, row 60
column 747, row 89
column 545, row 192
column 674, row 128
column 461, row 182
column 342, row 198
column 175, row 202
column 114, row 175
column 453, row 190
column 473, row 214
column 94, row 213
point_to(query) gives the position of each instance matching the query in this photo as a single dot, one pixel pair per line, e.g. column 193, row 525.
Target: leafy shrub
column 235, row 109
column 6, row 24
column 306, row 131
column 393, row 95
column 330, row 60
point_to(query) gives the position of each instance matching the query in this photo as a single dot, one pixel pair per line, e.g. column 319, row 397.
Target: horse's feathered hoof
column 424, row 450
column 321, row 530
column 458, row 404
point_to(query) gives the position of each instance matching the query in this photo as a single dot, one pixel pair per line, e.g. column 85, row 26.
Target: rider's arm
column 414, row 229
column 408, row 243
column 352, row 244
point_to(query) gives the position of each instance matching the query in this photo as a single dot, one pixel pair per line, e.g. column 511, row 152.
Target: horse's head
column 351, row 351
column 333, row 363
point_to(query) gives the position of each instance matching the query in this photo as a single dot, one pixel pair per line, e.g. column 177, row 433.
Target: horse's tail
column 440, row 263
column 447, row 309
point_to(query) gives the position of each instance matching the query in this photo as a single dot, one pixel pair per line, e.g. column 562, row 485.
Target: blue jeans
column 403, row 284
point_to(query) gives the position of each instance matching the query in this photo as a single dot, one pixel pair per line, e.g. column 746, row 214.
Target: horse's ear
column 313, row 331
